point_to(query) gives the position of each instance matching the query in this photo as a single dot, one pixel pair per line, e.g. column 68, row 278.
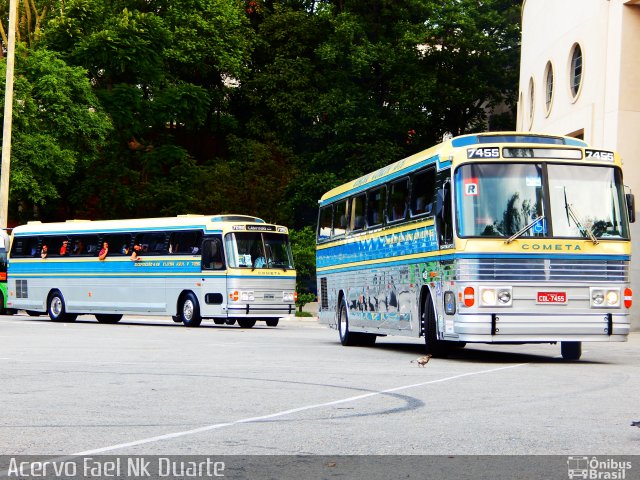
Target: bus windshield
column 258, row 250
column 500, row 200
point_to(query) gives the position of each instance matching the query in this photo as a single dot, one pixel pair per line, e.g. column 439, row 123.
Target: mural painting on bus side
column 383, row 297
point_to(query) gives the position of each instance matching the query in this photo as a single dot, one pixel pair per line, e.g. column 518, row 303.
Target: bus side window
column 340, row 218
column 357, row 213
column 185, row 242
column 325, row 219
column 422, row 190
column 212, row 258
column 375, row 206
column 119, row 244
column 398, row 196
column 444, row 215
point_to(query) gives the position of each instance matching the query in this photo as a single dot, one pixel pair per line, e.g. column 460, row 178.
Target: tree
column 58, row 127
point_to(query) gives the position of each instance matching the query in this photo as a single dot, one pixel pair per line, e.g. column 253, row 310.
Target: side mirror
column 631, row 207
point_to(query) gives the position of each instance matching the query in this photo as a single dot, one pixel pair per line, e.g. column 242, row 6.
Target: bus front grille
column 541, row 270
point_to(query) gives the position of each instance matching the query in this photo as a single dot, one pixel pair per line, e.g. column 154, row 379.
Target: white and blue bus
column 231, row 268
column 489, row 238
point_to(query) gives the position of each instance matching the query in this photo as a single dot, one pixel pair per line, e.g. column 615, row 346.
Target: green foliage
column 303, row 247
column 303, row 299
column 58, row 127
column 198, row 106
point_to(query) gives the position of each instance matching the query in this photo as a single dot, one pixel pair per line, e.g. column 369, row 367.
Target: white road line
column 283, row 413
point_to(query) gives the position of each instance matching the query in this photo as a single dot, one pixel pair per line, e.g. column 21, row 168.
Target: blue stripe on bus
column 115, row 230
column 560, row 256
column 411, row 242
column 464, row 141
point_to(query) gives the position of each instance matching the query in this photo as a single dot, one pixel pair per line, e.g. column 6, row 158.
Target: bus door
column 214, row 278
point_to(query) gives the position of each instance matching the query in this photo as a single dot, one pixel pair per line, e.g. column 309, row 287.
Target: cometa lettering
column 552, row 247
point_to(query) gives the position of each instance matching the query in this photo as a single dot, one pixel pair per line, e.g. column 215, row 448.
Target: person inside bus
column 79, row 248
column 64, row 249
column 260, row 261
column 137, row 251
column 44, row 252
column 104, row 251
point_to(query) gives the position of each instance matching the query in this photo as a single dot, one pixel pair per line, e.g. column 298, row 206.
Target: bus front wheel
column 190, row 311
column 57, row 309
column 433, row 346
column 246, row 322
column 571, row 350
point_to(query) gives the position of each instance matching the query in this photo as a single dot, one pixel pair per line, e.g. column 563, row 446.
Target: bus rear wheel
column 190, row 311
column 246, row 322
column 108, row 317
column 571, row 350
column 272, row 322
column 57, row 309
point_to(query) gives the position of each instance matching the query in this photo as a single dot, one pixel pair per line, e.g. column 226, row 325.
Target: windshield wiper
column 524, row 229
column 575, row 216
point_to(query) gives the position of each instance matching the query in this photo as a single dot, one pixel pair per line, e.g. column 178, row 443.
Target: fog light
column 613, row 298
column 449, row 303
column 488, row 296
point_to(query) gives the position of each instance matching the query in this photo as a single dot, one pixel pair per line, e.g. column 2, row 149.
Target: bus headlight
column 601, row 297
column 496, row 296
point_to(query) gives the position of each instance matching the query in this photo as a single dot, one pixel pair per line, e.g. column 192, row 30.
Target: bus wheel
column 219, row 321
column 190, row 311
column 108, row 317
column 433, row 345
column 571, row 350
column 246, row 322
column 57, row 309
column 347, row 338
column 272, row 322
column 3, row 311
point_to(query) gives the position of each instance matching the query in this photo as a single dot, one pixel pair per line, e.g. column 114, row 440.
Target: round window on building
column 575, row 72
column 548, row 82
column 532, row 99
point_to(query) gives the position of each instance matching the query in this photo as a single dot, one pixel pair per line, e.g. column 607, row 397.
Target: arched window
column 575, row 72
column 548, row 80
column 532, row 99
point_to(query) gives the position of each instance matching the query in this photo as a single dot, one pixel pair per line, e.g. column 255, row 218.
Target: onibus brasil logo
column 593, row 468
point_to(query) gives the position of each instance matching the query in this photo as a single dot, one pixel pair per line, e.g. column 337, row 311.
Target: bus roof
column 207, row 222
column 440, row 155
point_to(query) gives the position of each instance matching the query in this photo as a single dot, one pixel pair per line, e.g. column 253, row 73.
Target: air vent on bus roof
column 236, row 218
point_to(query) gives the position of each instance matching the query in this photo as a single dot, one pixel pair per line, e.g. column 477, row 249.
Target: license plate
column 552, row 297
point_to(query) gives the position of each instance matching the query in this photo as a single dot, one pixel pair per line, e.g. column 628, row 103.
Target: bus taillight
column 469, row 297
column 628, row 297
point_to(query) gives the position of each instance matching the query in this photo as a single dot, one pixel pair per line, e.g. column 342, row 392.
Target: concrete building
column 580, row 76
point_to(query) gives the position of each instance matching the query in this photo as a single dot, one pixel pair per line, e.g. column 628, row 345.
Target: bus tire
column 347, row 338
column 219, row 321
column 57, row 309
column 571, row 350
column 272, row 322
column 246, row 322
column 190, row 311
column 108, row 317
column 433, row 346
column 3, row 311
